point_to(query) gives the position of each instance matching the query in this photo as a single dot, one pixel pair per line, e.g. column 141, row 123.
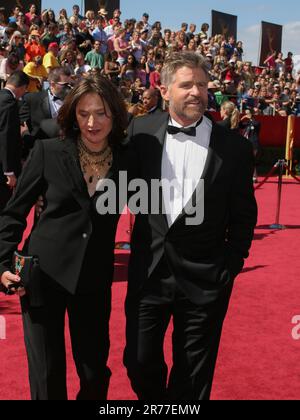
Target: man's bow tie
column 189, row 131
column 55, row 98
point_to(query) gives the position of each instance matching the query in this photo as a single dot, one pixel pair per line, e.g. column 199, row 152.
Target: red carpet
column 258, row 356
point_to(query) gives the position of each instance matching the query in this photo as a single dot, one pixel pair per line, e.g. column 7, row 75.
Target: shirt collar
column 53, row 97
column 176, row 124
column 11, row 92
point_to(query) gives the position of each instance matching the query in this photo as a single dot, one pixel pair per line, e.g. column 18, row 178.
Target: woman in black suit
column 75, row 244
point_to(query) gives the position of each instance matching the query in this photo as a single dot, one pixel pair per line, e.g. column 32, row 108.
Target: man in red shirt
column 155, row 75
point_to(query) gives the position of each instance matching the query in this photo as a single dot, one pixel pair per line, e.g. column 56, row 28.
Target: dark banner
column 271, row 40
column 109, row 5
column 223, row 24
column 23, row 4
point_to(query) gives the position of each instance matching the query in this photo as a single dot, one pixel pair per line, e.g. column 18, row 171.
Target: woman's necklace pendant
column 91, row 178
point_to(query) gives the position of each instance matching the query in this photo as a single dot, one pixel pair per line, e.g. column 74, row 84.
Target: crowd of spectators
column 131, row 53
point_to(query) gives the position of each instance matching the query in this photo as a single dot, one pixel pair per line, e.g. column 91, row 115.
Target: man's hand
column 11, row 181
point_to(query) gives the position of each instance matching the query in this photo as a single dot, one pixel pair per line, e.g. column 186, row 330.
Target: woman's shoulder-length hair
column 107, row 92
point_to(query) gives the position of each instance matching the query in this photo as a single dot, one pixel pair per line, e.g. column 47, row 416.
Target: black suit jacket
column 206, row 257
column 34, row 110
column 10, row 139
column 61, row 234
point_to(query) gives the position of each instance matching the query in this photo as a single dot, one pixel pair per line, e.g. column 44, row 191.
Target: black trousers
column 5, row 195
column 195, row 340
column 45, row 343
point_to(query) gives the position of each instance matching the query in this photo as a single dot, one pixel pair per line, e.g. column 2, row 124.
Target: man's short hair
column 177, row 60
column 18, row 79
column 55, row 74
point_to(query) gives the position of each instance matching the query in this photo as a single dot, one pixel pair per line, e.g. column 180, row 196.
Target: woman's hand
column 39, row 207
column 11, row 181
column 8, row 279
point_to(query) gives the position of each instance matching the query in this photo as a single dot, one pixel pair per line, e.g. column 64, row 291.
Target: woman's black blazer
column 60, row 236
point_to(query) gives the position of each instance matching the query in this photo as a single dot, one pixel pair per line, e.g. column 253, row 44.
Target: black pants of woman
column 88, row 316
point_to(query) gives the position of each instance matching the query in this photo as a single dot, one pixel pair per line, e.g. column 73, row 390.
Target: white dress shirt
column 183, row 162
column 54, row 105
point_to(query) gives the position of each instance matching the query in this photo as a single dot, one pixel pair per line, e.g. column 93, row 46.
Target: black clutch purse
column 28, row 268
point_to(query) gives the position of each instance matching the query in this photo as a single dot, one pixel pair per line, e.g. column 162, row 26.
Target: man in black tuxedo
column 180, row 267
column 10, row 137
column 39, row 109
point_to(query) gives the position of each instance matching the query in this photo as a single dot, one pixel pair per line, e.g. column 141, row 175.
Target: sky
column 250, row 14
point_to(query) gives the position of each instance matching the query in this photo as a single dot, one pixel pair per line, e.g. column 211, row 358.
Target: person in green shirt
column 94, row 58
column 50, row 36
column 221, row 96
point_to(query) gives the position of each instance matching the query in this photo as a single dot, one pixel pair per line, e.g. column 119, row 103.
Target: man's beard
column 190, row 114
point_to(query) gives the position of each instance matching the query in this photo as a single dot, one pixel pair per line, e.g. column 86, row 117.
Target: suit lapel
column 160, row 134
column 162, row 123
column 46, row 106
column 71, row 165
column 214, row 161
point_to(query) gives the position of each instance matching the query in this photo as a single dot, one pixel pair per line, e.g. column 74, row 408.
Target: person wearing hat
column 210, row 61
column 50, row 60
column 36, row 73
column 103, row 12
column 34, row 47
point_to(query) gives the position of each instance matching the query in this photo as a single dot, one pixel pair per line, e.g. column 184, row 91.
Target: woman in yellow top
column 37, row 74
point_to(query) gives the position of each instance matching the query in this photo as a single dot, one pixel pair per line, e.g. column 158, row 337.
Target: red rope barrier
column 267, row 177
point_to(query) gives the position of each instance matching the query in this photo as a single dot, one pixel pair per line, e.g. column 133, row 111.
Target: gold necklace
column 83, row 146
column 94, row 163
